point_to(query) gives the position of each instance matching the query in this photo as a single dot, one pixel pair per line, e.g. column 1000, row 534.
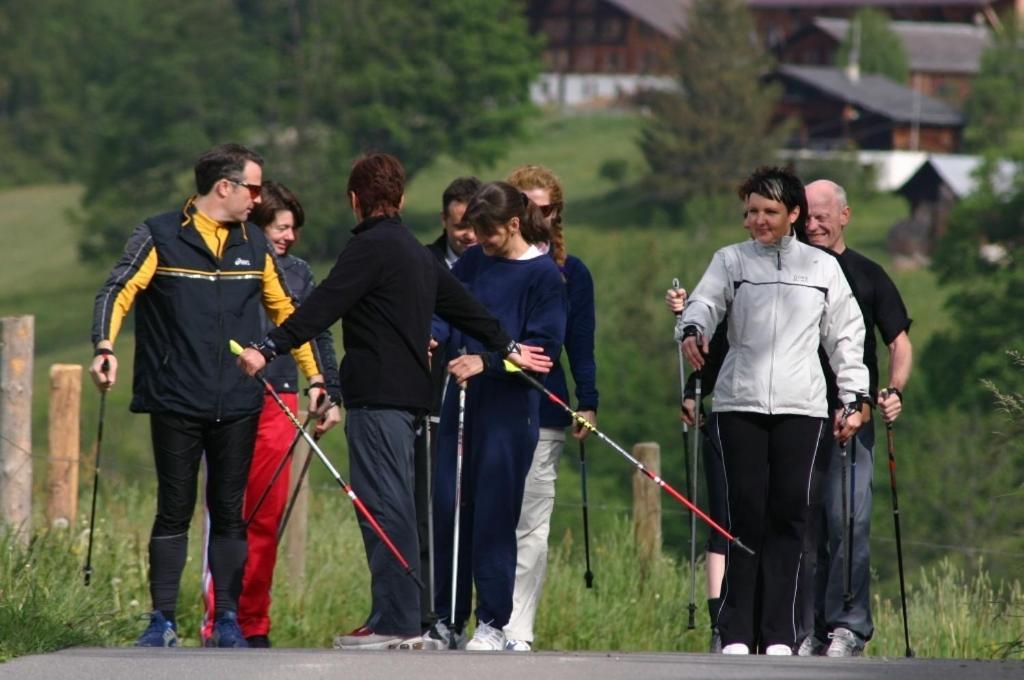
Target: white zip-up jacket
column 782, row 301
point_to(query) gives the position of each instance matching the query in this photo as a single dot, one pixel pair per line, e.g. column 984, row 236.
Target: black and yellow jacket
column 198, row 284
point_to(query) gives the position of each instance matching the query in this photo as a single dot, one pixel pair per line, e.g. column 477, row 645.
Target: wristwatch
column 266, row 347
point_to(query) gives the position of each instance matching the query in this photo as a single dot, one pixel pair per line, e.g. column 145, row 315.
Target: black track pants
column 769, row 460
column 179, row 444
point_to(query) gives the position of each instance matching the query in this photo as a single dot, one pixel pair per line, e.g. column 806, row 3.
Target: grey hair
column 839, row 191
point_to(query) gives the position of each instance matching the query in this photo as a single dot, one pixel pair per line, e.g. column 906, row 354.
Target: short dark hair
column 461, row 190
column 223, row 161
column 498, row 202
column 778, row 184
column 378, row 181
column 276, row 197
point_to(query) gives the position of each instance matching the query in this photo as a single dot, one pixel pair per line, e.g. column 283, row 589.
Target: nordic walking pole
column 277, row 472
column 87, row 569
column 896, row 522
column 430, row 511
column 851, row 515
column 666, row 487
column 459, row 450
column 295, row 492
column 588, row 576
column 691, row 471
column 844, row 490
column 346, row 487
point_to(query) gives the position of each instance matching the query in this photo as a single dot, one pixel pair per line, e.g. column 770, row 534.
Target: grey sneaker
column 812, row 646
column 440, row 636
column 715, row 646
column 364, row 638
column 844, row 643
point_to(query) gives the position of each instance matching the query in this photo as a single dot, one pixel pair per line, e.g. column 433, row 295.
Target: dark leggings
column 769, row 461
column 179, row 444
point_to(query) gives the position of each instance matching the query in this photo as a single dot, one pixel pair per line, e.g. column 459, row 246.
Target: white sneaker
column 736, row 648
column 486, row 638
column 518, row 646
column 779, row 650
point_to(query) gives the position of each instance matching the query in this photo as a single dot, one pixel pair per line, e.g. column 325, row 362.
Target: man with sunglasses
column 200, row 276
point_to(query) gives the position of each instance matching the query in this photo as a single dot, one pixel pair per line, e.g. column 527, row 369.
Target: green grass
column 45, row 606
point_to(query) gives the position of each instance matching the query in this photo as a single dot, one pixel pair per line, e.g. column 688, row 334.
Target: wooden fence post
column 16, row 346
column 647, row 504
column 294, row 538
column 62, row 471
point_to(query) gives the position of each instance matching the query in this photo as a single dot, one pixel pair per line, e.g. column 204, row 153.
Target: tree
column 879, row 49
column 980, row 260
column 702, row 138
column 178, row 85
column 981, row 257
column 309, row 83
column 995, row 107
column 50, row 61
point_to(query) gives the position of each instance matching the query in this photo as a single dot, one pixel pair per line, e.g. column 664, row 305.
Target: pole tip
column 236, row 348
column 739, row 544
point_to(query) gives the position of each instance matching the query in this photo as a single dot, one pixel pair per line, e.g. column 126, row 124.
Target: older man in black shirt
column 848, row 626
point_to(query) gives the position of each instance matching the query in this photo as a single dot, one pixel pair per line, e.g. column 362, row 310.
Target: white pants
column 532, row 533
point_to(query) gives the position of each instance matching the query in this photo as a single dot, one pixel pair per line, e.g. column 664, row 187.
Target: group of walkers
column 453, row 456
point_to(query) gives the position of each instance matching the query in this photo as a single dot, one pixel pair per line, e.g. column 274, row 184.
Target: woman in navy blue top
column 513, row 279
column 543, row 188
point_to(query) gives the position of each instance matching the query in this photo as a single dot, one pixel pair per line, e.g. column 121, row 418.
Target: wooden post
column 62, row 471
column 647, row 504
column 294, row 538
column 16, row 345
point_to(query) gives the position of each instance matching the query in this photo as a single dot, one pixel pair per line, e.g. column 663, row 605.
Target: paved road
column 314, row 664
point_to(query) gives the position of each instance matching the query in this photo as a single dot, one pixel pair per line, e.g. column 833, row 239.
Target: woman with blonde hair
column 545, row 190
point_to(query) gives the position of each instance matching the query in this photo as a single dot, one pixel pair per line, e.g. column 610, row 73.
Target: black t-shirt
column 880, row 304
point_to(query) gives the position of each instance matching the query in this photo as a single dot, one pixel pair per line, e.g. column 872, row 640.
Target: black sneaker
column 258, row 641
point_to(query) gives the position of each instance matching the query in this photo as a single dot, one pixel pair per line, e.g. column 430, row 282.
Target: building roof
column 876, row 94
column 929, row 46
column 813, row 4
column 666, row 16
column 957, row 171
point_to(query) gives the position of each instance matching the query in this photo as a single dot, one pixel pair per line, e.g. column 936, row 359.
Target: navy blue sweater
column 527, row 297
column 579, row 347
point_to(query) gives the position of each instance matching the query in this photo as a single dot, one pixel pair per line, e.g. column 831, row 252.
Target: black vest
column 194, row 304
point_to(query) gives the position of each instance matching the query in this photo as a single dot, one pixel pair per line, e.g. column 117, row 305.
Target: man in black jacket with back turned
column 386, row 287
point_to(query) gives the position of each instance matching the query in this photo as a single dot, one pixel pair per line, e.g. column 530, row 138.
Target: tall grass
column 45, row 606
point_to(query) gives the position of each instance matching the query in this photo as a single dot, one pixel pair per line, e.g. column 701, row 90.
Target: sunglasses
column 549, row 209
column 254, row 189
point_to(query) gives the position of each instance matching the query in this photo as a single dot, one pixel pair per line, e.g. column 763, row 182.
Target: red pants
column 273, row 437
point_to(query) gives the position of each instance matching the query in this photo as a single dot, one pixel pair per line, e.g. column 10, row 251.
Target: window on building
column 584, row 61
column 612, row 29
column 585, row 30
column 557, row 30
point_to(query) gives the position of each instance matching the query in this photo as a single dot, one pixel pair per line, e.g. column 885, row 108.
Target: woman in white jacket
column 783, row 299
